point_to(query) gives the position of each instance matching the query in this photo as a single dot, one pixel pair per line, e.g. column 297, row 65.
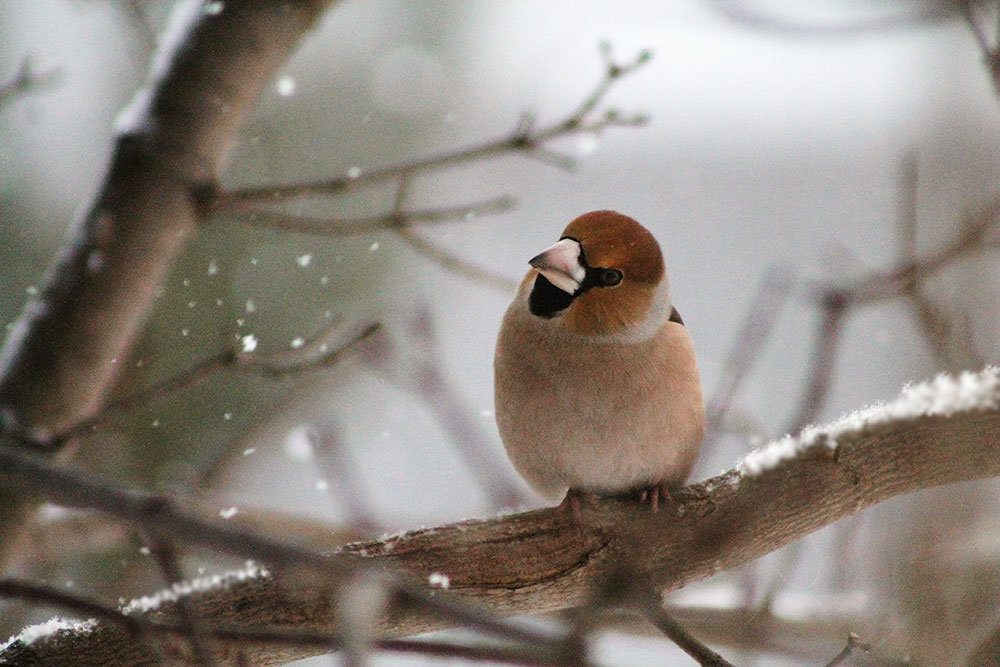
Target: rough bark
column 537, row 561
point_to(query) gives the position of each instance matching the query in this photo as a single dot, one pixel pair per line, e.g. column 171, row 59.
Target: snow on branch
column 58, row 362
column 936, row 433
column 944, row 395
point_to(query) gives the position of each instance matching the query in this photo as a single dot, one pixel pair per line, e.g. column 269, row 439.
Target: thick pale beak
column 560, row 264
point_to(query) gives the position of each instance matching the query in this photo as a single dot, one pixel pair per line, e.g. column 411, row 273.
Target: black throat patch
column 547, row 300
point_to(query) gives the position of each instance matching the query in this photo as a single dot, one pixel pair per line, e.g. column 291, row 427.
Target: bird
column 596, row 386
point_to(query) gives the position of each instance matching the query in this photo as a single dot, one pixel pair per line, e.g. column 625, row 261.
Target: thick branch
column 60, row 359
column 940, row 432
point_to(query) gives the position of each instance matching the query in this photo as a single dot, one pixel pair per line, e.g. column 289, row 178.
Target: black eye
column 609, row 277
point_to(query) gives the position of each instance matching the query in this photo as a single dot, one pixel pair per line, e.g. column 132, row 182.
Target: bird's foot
column 654, row 494
column 572, row 503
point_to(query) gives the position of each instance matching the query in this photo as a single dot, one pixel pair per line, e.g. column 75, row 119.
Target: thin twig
column 627, row 587
column 350, row 227
column 455, row 263
column 825, row 343
column 524, row 139
column 951, row 345
column 25, row 80
column 978, row 234
column 853, row 642
column 773, row 291
column 314, row 354
column 166, row 558
column 967, row 13
column 674, row 631
column 328, row 444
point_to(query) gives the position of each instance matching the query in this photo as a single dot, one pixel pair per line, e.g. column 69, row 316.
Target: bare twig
column 947, row 334
column 627, row 588
column 979, row 234
column 758, row 322
column 854, row 643
column 327, row 442
column 525, row 139
column 455, row 263
column 25, row 80
column 316, row 353
column 166, row 558
column 674, row 631
column 825, row 343
column 991, row 52
column 395, row 219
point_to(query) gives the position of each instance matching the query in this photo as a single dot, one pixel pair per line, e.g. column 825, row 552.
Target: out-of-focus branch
column 746, row 14
column 525, row 139
column 758, row 322
column 393, row 220
column 166, row 558
column 937, row 433
column 456, row 264
column 58, row 362
column 24, row 81
column 854, row 643
column 947, row 334
column 316, row 353
column 989, row 48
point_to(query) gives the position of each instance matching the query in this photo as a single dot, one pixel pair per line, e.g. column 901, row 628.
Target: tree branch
column 58, row 362
column 524, row 139
column 936, row 433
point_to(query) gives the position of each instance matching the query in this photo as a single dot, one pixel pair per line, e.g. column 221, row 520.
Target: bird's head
column 605, row 277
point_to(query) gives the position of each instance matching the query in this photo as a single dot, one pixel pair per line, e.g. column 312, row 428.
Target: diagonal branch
column 525, row 139
column 314, row 354
column 25, row 80
column 936, row 433
column 393, row 220
column 57, row 364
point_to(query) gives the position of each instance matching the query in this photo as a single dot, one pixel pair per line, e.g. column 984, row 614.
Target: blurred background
column 789, row 150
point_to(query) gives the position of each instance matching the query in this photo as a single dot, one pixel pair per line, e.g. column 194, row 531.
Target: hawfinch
column 596, row 386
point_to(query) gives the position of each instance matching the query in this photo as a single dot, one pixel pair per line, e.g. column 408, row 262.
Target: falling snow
column 298, row 446
column 942, row 396
column 587, row 143
column 286, row 86
column 249, row 343
column 180, row 589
